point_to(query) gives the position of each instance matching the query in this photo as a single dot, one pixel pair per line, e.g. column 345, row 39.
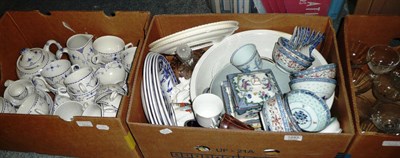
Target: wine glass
column 386, row 117
column 358, row 53
column 386, row 87
column 382, row 59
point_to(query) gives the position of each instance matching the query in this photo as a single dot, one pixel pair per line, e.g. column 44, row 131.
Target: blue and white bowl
column 273, row 115
column 310, row 111
column 322, row 87
column 286, row 61
column 323, row 71
column 297, row 54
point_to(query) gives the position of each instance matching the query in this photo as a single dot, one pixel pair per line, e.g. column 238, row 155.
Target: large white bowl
column 216, row 58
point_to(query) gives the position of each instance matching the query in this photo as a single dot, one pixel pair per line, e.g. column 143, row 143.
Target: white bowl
column 215, row 58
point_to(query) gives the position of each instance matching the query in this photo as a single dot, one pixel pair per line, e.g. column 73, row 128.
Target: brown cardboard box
column 189, row 141
column 371, row 30
column 374, row 7
column 84, row 136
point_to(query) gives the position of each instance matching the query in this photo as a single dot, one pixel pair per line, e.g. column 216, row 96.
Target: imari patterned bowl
column 287, row 61
column 310, row 111
column 322, row 87
column 273, row 115
column 297, row 54
column 323, row 71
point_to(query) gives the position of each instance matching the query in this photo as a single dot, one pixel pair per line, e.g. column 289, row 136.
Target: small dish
column 310, row 111
column 322, row 87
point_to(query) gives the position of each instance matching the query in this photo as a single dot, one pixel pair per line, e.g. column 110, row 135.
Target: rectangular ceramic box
column 370, row 30
column 169, row 141
column 84, row 136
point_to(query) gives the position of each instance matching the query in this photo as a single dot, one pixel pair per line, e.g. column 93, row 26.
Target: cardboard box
column 374, row 7
column 194, row 142
column 84, row 136
column 370, row 30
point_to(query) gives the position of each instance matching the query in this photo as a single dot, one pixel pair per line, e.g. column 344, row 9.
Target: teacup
column 88, row 97
column 111, row 73
column 107, row 110
column 207, row 109
column 79, row 49
column 6, row 106
column 68, row 110
column 34, row 104
column 81, row 81
column 246, row 58
column 17, row 91
column 109, row 48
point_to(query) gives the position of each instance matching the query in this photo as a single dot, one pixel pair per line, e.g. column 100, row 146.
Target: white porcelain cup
column 207, row 109
column 6, row 106
column 81, row 81
column 127, row 58
column 92, row 110
column 111, row 73
column 108, row 110
column 246, row 58
column 68, row 110
column 34, row 104
column 109, row 48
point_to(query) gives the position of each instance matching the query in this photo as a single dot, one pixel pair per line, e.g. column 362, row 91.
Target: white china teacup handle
column 85, row 106
column 60, row 52
column 82, row 87
column 128, row 46
column 8, row 83
column 46, row 47
column 75, row 67
column 62, row 91
column 40, row 112
column 42, row 85
column 97, row 59
column 113, row 95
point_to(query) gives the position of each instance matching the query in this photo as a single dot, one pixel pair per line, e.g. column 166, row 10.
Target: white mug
column 246, row 58
column 109, row 48
column 207, row 109
column 111, row 73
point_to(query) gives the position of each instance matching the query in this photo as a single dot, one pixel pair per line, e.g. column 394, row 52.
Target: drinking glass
column 358, row 53
column 382, row 59
column 386, row 87
column 386, row 117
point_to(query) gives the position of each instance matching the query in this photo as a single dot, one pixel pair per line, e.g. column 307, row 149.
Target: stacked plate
column 158, row 81
column 196, row 37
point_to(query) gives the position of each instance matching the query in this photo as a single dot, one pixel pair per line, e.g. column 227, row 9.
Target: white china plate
column 216, row 58
column 195, row 33
column 147, row 97
column 192, row 31
column 193, row 41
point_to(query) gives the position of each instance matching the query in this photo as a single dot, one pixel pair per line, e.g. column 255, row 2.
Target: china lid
column 31, row 57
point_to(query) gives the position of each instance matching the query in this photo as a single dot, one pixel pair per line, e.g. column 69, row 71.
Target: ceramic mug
column 109, row 48
column 207, row 109
column 246, row 58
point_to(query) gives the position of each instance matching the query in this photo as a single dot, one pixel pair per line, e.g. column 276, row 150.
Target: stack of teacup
column 91, row 83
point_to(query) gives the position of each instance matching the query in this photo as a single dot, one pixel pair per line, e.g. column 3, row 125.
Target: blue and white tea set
column 90, row 81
